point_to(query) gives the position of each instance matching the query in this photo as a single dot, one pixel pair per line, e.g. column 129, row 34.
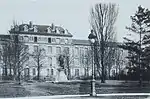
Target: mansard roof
column 41, row 30
column 80, row 42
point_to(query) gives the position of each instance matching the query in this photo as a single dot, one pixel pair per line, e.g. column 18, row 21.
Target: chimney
column 31, row 24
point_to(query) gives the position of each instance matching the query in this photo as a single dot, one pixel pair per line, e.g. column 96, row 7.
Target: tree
column 141, row 27
column 39, row 56
column 103, row 18
column 21, row 55
column 67, row 61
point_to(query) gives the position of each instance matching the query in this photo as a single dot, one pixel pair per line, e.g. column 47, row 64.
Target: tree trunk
column 38, row 75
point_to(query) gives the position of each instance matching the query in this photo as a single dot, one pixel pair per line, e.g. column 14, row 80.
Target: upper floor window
column 26, row 38
column 76, row 51
column 62, row 41
column 66, row 41
column 34, row 71
column 48, row 30
column 35, row 29
column 35, row 48
column 50, row 61
column 57, row 40
column 86, row 52
column 25, row 28
column 76, row 61
column 49, row 49
column 76, row 72
column 54, row 40
column 58, row 50
column 49, row 40
column 35, row 39
column 66, row 50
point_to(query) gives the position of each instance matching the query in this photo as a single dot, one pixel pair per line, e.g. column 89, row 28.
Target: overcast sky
column 70, row 14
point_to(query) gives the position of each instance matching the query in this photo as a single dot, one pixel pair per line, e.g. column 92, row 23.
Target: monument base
column 61, row 77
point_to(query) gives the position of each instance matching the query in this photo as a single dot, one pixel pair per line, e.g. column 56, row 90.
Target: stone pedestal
column 61, row 76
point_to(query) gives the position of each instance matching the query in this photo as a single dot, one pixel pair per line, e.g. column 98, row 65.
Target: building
column 55, row 41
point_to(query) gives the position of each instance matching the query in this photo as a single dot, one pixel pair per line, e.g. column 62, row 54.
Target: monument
column 61, row 76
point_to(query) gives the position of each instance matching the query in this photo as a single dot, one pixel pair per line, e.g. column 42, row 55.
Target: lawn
column 12, row 90
column 68, row 88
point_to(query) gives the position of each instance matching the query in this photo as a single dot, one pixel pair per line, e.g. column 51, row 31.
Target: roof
column 41, row 30
column 80, row 42
column 87, row 43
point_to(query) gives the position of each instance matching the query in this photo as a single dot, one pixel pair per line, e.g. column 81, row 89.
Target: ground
column 11, row 89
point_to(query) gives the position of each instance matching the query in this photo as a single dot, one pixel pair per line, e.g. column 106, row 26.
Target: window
column 66, row 41
column 35, row 48
column 49, row 49
column 62, row 41
column 48, row 30
column 47, row 72
column 57, row 40
column 52, row 72
column 26, row 72
column 54, row 40
column 76, row 72
column 86, row 52
column 35, row 29
column 25, row 28
column 58, row 50
column 26, row 39
column 66, row 50
column 35, row 39
column 50, row 61
column 76, row 51
column 49, row 40
column 76, row 61
column 34, row 71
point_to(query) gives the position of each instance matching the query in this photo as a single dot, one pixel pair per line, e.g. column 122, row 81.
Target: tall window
column 49, row 49
column 35, row 48
column 47, row 72
column 76, row 72
column 49, row 40
column 53, row 40
column 34, row 71
column 66, row 50
column 76, row 61
column 35, row 39
column 58, row 40
column 86, row 52
column 76, row 51
column 58, row 50
column 66, row 41
column 52, row 72
column 50, row 61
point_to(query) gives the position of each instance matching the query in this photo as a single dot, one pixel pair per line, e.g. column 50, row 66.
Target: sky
column 70, row 14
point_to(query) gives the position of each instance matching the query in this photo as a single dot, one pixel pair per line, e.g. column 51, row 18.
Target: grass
column 67, row 88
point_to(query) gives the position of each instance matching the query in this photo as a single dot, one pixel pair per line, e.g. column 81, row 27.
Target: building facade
column 55, row 41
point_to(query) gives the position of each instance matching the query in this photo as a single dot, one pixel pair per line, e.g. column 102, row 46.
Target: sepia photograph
column 75, row 49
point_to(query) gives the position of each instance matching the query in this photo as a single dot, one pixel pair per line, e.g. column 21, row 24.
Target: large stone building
column 55, row 41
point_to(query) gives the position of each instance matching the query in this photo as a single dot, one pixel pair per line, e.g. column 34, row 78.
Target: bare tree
column 86, row 60
column 103, row 18
column 39, row 56
column 68, row 60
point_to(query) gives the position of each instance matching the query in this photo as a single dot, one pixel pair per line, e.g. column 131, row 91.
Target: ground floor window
column 34, row 71
column 52, row 72
column 26, row 72
column 76, row 72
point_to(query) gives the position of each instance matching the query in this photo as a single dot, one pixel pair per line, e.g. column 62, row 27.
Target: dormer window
column 48, row 30
column 35, row 29
column 25, row 28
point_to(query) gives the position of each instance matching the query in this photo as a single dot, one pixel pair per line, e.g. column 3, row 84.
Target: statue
column 61, row 76
column 61, row 61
